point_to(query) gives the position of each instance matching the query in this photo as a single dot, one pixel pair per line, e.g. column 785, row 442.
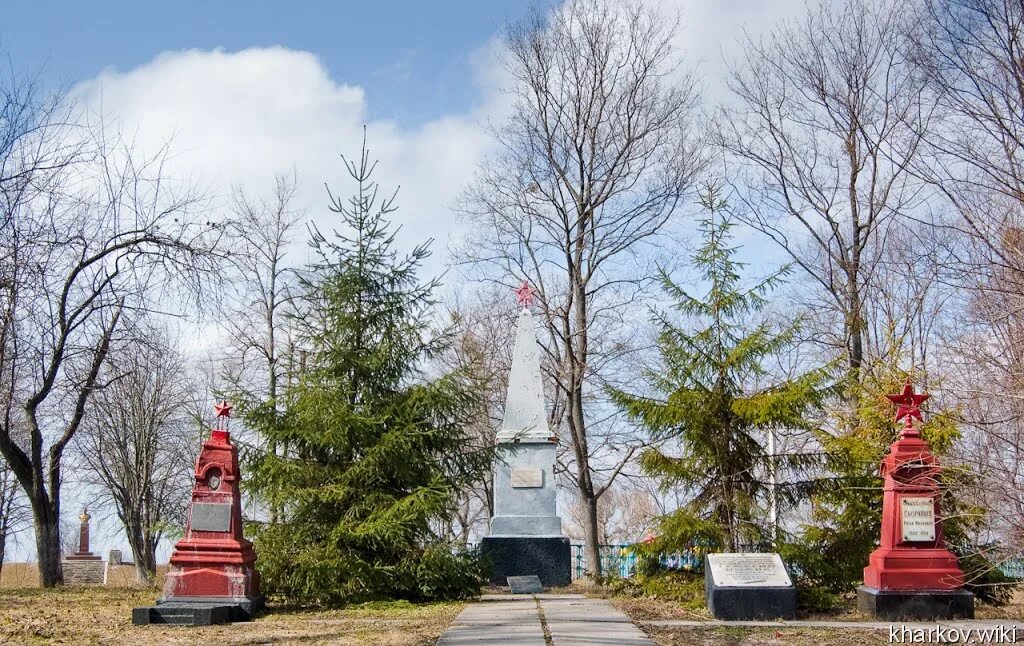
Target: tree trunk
column 46, row 514
column 144, row 555
column 591, row 528
column 3, row 550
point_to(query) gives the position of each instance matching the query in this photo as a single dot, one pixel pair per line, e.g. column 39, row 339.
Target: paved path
column 571, row 620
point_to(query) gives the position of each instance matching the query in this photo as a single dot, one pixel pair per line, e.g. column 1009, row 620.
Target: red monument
column 83, row 553
column 212, row 577
column 912, row 575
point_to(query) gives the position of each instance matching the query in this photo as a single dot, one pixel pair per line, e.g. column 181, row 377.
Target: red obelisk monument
column 912, row 575
column 212, row 577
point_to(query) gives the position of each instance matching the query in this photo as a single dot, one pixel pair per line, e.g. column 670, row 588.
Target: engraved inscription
column 748, row 570
column 527, row 478
column 917, row 518
column 211, row 517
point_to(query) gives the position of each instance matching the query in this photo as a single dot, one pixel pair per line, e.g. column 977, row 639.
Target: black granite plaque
column 525, row 584
column 211, row 517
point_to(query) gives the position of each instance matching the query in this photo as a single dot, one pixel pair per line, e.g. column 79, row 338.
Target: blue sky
column 242, row 91
column 413, row 58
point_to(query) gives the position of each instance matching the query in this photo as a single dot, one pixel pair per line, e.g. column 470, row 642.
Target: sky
column 246, row 90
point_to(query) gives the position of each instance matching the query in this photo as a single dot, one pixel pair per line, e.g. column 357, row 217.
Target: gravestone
column 525, row 585
column 212, row 578
column 525, row 536
column 82, row 567
column 747, row 586
column 912, row 575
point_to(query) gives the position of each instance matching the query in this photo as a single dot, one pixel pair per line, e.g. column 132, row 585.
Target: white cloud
column 237, row 118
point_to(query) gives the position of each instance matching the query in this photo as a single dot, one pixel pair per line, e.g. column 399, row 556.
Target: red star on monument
column 524, row 294
column 223, row 408
column 908, row 402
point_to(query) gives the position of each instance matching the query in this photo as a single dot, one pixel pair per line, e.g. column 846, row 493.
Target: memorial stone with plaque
column 212, row 577
column 525, row 535
column 746, row 586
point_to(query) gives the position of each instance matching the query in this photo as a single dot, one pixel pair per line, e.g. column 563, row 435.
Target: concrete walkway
column 520, row 620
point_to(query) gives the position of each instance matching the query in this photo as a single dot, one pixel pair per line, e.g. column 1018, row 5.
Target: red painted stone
column 214, row 559
column 911, row 470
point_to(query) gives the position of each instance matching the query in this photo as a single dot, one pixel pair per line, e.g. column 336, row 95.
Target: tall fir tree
column 372, row 450
column 718, row 402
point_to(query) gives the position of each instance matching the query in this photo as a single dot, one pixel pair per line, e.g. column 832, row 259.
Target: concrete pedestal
column 915, row 605
column 547, row 557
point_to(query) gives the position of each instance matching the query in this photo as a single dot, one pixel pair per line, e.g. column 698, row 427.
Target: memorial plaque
column 211, row 517
column 525, row 584
column 755, row 570
column 917, row 518
column 527, row 478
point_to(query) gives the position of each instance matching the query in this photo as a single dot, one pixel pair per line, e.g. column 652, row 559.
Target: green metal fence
column 620, row 560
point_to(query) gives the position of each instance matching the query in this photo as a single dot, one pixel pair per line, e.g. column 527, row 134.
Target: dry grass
column 640, row 609
column 102, row 615
column 666, row 636
column 26, row 575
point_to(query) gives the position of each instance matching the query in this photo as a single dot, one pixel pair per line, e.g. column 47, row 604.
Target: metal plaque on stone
column 211, row 517
column 525, row 584
column 527, row 478
column 917, row 518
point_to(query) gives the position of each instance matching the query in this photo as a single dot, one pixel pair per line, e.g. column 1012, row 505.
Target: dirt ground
column 102, row 615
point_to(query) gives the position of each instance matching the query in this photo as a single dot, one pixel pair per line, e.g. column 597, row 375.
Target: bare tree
column 13, row 513
column 92, row 232
column 260, row 235
column 826, row 122
column 627, row 514
column 482, row 351
column 138, row 439
column 971, row 53
column 594, row 160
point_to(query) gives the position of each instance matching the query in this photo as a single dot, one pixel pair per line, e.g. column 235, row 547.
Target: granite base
column 547, row 557
column 198, row 611
column 919, row 605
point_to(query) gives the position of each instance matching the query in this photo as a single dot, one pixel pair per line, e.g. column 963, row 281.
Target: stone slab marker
column 525, row 536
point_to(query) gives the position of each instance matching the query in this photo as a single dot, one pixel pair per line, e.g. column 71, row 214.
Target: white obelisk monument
column 526, row 533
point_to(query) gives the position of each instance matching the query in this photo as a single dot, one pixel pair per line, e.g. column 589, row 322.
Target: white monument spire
column 525, row 536
column 525, row 419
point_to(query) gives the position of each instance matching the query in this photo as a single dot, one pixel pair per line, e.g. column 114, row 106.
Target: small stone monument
column 212, row 578
column 912, row 576
column 525, row 535
column 82, row 566
column 746, row 586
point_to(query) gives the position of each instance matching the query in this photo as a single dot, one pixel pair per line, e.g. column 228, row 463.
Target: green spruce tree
column 372, row 450
column 716, row 401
